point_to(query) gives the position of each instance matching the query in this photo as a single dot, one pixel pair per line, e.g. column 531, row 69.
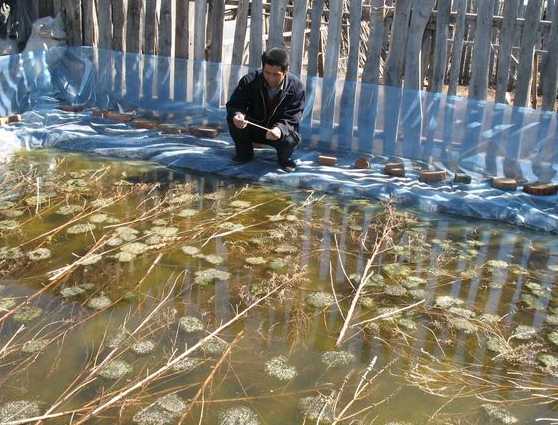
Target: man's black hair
column 276, row 56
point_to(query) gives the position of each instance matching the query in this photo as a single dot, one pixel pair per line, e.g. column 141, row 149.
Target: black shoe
column 288, row 166
column 242, row 159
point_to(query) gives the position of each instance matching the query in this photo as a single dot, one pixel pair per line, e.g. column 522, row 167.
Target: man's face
column 273, row 75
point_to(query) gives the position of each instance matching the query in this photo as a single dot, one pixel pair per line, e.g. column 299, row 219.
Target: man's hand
column 5, row 11
column 273, row 134
column 238, row 120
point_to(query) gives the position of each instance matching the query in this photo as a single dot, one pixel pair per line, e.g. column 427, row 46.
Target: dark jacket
column 249, row 98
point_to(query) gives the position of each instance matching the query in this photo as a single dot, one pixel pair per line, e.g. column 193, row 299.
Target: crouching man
column 271, row 98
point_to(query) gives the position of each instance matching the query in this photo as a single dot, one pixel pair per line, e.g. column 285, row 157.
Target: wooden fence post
column 371, row 72
column 506, row 44
column 421, row 14
column 240, row 32
column 133, row 42
column 118, row 24
column 150, row 27
column 199, row 30
column 457, row 48
column 104, row 17
column 315, row 29
column 256, row 28
column 479, row 75
column 216, row 47
column 550, row 69
column 181, row 29
column 441, row 45
column 276, row 24
column 165, row 28
column 526, row 53
column 89, row 23
column 298, row 35
column 394, row 63
column 354, row 40
column 73, row 22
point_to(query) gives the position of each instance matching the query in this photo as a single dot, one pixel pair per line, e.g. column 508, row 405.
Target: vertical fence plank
column 119, row 24
column 441, row 45
column 277, row 20
column 506, row 44
column 421, row 14
column 371, row 72
column 165, row 28
column 298, row 35
column 181, row 29
column 104, row 17
column 394, row 63
column 526, row 52
column 354, row 39
column 73, row 23
column 550, row 69
column 457, row 48
column 481, row 52
column 89, row 22
column 256, row 33
column 330, row 69
column 333, row 39
column 199, row 30
column 217, row 24
column 133, row 42
column 182, row 38
column 150, row 26
column 240, row 32
column 315, row 29
column 239, row 42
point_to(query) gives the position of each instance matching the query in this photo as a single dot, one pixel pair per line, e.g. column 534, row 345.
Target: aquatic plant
column 39, row 254
column 18, row 410
column 99, row 303
column 498, row 414
column 279, row 368
column 143, row 347
column 205, row 277
column 337, row 359
column 190, row 324
column 320, row 299
column 34, row 345
column 241, row 415
column 190, row 250
column 27, row 313
column 319, row 408
column 115, row 369
column 80, row 228
column 255, row 260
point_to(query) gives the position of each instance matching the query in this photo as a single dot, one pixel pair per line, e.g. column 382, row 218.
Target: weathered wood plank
column 395, row 60
column 104, row 17
column 420, row 15
column 441, row 45
column 118, row 24
column 74, row 30
column 89, row 23
column 150, row 29
column 457, row 48
column 371, row 72
column 297, row 39
column 479, row 74
column 506, row 44
column 277, row 21
column 526, row 52
column 181, row 29
column 218, row 17
column 550, row 70
column 199, row 29
column 315, row 29
column 333, row 39
column 165, row 28
column 135, row 10
column 256, row 34
column 240, row 32
column 354, row 39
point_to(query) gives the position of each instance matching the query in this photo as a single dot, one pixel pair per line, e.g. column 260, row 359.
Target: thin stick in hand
column 256, row 125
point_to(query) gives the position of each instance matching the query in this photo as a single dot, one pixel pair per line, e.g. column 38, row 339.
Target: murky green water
column 127, row 265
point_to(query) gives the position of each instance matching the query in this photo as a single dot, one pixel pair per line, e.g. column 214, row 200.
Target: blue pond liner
column 422, row 129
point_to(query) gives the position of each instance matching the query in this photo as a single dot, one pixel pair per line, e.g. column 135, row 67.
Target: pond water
column 111, row 272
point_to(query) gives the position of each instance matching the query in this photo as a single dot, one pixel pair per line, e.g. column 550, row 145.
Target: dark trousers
column 244, row 139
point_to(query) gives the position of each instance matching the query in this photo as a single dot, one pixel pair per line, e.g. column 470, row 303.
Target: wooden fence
column 502, row 50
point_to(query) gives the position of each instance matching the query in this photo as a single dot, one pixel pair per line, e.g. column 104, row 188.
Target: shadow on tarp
column 344, row 118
